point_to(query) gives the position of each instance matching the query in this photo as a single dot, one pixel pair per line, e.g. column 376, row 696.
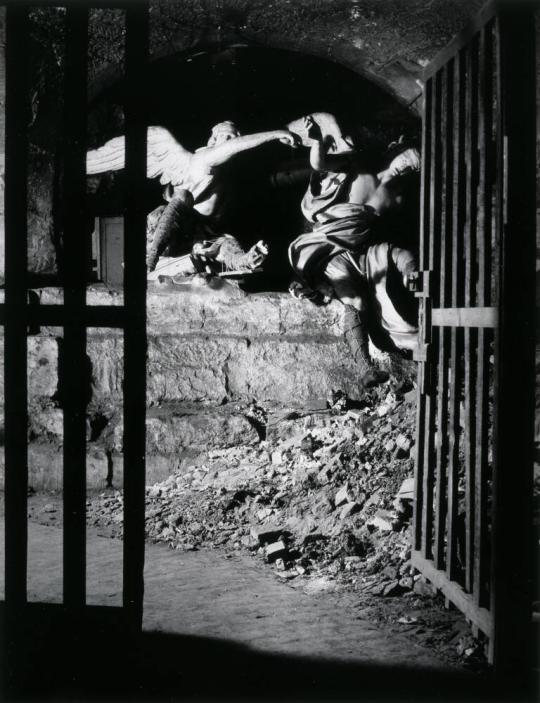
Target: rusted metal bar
column 135, row 304
column 15, row 353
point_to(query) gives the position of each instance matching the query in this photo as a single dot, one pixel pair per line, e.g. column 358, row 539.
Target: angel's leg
column 351, row 289
column 173, row 223
column 152, row 221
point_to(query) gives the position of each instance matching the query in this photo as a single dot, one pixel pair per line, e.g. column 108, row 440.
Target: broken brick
column 406, row 491
column 391, row 572
column 266, row 534
column 392, row 589
column 349, row 509
column 342, row 496
column 406, row 582
column 382, row 520
column 276, row 550
column 423, row 588
column 277, row 458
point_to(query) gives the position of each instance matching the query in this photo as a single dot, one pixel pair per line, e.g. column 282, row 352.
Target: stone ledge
column 182, row 310
column 212, row 346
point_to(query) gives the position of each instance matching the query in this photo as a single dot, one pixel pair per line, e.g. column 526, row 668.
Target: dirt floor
column 417, row 617
column 215, row 598
column 322, row 503
column 296, row 544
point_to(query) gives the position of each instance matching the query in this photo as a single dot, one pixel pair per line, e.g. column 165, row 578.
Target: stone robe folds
column 341, row 256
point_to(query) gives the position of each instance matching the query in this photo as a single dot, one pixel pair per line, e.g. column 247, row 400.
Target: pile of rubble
column 327, row 493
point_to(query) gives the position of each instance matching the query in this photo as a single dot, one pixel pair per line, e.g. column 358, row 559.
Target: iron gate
column 473, row 478
column 74, row 316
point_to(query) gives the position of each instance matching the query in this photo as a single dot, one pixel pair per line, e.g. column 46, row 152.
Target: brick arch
column 400, row 80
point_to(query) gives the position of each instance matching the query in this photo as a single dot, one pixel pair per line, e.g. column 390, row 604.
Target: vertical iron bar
column 456, row 340
column 483, row 237
column 74, row 378
column 135, row 304
column 470, row 289
column 423, row 265
column 15, row 360
column 431, row 248
column 443, row 300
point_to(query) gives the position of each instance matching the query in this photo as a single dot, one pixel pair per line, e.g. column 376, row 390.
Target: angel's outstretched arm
column 217, row 155
column 319, row 158
column 321, row 138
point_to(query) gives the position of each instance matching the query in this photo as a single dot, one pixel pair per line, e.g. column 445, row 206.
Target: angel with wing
column 196, row 188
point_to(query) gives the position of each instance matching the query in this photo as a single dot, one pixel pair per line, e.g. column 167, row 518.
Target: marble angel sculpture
column 197, row 191
column 347, row 254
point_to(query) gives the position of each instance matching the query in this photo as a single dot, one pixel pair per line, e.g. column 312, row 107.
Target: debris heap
column 327, row 492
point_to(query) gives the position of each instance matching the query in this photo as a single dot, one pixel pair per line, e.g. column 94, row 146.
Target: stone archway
column 388, row 41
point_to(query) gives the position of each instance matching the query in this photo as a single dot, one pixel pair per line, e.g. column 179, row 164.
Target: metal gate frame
column 18, row 315
column 478, row 207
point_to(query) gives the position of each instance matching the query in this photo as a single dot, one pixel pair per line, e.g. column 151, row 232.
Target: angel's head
column 222, row 132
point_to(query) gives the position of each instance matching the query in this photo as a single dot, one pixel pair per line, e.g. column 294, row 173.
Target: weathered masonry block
column 210, row 355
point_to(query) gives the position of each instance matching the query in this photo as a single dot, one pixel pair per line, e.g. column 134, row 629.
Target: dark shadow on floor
column 52, row 655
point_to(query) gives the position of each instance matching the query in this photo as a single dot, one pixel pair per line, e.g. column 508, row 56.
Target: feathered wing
column 166, row 158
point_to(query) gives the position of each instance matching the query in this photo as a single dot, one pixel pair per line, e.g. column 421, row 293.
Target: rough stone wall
column 212, row 348
column 211, row 357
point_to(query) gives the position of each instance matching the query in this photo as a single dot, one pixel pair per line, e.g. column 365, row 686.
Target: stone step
column 175, row 433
